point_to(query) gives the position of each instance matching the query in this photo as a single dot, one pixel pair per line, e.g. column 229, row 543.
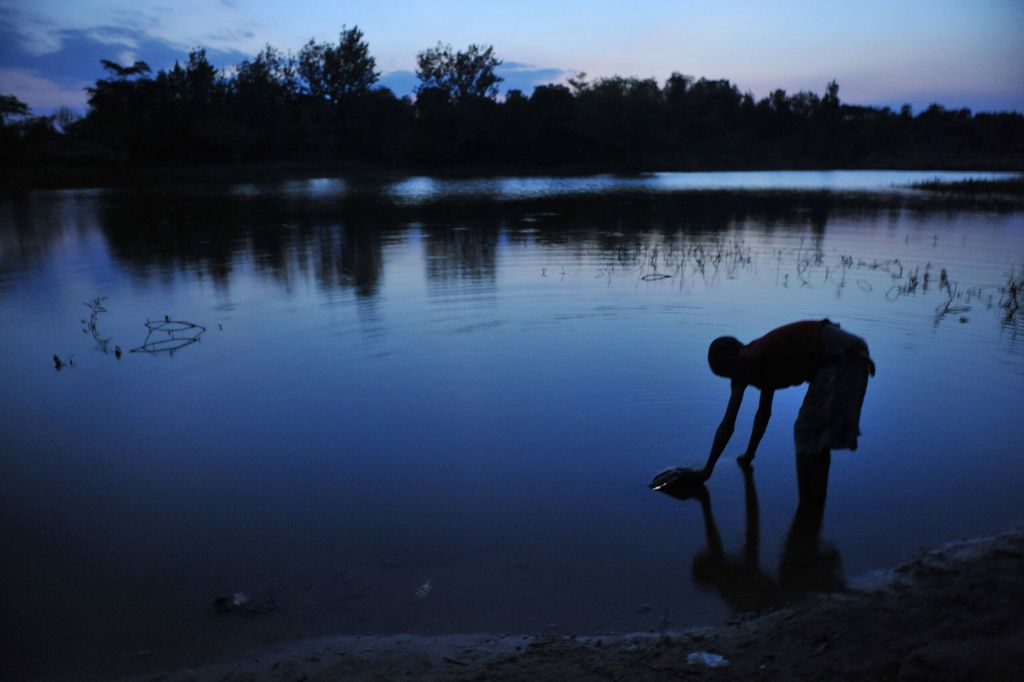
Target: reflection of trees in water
column 337, row 241
column 209, row 237
column 361, row 260
column 343, row 257
column 461, row 253
column 32, row 225
column 161, row 236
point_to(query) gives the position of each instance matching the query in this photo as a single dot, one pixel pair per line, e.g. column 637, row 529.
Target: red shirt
column 787, row 356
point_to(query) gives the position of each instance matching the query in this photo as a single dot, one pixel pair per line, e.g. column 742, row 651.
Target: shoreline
column 114, row 176
column 950, row 613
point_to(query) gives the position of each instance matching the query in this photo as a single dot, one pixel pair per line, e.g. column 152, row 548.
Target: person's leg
column 812, row 481
column 807, row 564
column 811, row 429
column 752, row 546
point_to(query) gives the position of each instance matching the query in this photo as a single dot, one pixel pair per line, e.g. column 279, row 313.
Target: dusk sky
column 957, row 53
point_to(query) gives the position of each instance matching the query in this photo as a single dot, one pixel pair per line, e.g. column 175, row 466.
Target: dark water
column 433, row 406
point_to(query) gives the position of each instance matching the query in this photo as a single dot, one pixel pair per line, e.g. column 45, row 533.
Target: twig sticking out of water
column 59, row 364
column 953, row 293
column 169, row 336
column 95, row 307
column 1010, row 296
column 907, row 289
column 662, row 261
column 706, row 258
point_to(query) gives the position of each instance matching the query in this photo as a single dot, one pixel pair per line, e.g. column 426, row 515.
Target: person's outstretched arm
column 725, row 429
column 764, row 414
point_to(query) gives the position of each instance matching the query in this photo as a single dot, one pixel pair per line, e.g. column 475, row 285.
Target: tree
column 676, row 87
column 552, row 108
column 461, row 76
column 200, row 75
column 260, row 98
column 619, row 115
column 579, row 83
column 11, row 107
column 122, row 110
column 264, row 83
column 332, row 72
column 124, row 72
column 831, row 98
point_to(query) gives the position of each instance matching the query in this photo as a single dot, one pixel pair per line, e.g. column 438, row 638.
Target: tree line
column 324, row 104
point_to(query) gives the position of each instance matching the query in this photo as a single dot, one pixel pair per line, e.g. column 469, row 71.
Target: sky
column 958, row 53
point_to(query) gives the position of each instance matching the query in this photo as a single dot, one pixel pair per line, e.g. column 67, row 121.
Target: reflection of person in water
column 738, row 577
column 833, row 362
column 806, row 565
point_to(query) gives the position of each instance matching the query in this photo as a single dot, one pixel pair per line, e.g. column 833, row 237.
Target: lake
column 433, row 405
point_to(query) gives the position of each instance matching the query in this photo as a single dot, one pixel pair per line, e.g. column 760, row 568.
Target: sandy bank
column 953, row 613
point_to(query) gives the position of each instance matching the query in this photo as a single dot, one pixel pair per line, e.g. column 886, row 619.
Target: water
column 433, row 406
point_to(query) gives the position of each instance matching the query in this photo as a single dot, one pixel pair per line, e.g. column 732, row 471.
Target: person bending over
column 834, row 363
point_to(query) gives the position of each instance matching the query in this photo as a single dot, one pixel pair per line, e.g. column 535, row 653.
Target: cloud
column 230, row 35
column 42, row 78
column 42, row 95
column 516, row 75
column 401, row 83
column 22, row 31
column 525, row 77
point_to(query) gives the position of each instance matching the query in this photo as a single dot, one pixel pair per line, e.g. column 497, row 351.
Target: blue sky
column 957, row 53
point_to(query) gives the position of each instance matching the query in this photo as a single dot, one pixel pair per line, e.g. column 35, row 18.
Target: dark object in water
column 59, row 364
column 223, row 604
column 169, row 336
column 242, row 603
column 680, row 482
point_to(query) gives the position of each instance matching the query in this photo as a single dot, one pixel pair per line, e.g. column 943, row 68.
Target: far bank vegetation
column 324, row 104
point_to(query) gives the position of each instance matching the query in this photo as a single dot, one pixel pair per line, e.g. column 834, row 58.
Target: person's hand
column 746, row 459
column 681, row 482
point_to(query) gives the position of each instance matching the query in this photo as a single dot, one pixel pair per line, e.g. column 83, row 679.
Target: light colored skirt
column 829, row 417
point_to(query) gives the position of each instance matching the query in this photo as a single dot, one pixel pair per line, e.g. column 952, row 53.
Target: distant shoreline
column 82, row 176
column 1013, row 186
column 950, row 613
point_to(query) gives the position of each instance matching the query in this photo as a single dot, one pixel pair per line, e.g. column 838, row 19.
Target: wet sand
column 952, row 613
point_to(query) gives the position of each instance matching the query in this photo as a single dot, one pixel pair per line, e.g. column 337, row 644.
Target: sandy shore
column 953, row 613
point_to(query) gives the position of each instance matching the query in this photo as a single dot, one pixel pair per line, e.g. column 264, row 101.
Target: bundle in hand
column 679, row 482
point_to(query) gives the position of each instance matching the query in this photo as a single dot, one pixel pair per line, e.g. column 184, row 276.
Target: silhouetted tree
column 383, row 127
column 332, row 72
column 554, row 137
column 11, row 107
column 26, row 142
column 121, row 109
column 261, row 94
column 463, row 75
column 322, row 104
column 125, row 72
column 831, row 98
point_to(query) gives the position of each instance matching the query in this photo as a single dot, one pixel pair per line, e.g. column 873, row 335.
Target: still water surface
column 433, row 406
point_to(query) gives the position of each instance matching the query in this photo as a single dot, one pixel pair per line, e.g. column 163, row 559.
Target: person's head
column 723, row 354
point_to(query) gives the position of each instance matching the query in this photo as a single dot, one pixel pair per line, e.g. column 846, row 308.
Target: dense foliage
column 323, row 105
